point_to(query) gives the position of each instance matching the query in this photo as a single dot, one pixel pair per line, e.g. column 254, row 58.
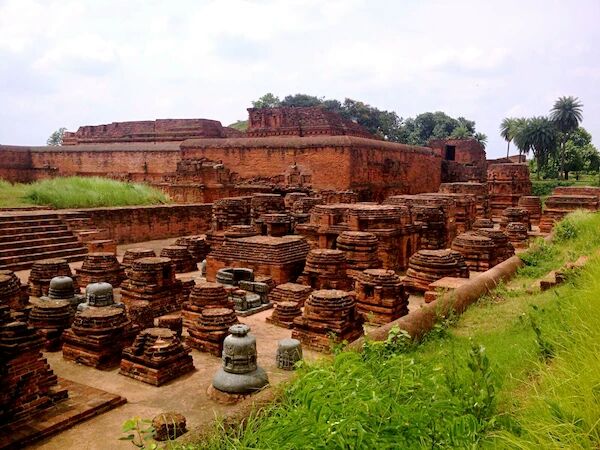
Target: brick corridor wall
column 131, row 224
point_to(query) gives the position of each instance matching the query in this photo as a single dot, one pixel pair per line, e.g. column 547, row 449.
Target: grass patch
column 577, row 234
column 79, row 192
column 12, row 195
column 514, row 371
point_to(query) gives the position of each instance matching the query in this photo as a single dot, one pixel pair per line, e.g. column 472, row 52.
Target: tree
column 386, row 124
column 56, row 138
column 435, row 125
column 267, row 101
column 481, row 138
column 460, row 132
column 539, row 135
column 566, row 115
column 507, row 131
column 579, row 153
column 301, row 100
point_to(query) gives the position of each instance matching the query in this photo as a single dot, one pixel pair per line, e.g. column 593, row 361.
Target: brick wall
column 370, row 166
column 143, row 223
column 139, row 162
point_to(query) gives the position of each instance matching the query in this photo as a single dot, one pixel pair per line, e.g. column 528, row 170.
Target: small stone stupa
column 240, row 374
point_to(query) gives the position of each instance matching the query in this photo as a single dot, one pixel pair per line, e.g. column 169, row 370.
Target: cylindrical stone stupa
column 99, row 295
column 240, row 373
column 62, row 288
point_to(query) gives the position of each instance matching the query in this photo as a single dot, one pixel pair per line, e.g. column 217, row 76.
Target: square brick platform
column 84, row 402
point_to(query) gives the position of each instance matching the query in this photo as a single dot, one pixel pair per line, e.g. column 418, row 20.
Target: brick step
column 34, row 229
column 29, row 223
column 40, row 240
column 30, row 235
column 20, row 251
column 78, row 224
column 26, row 261
column 27, row 216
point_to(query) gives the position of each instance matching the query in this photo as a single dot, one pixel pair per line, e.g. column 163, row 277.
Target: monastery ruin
column 281, row 242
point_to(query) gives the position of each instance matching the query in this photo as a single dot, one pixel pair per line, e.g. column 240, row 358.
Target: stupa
column 156, row 357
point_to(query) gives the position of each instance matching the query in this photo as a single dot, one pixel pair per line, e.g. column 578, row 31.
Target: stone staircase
column 29, row 236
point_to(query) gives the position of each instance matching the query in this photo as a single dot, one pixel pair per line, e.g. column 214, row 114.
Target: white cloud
column 78, row 62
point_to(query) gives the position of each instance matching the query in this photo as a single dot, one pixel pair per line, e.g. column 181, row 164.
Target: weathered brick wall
column 16, row 164
column 145, row 131
column 392, row 169
column 142, row 223
column 373, row 168
column 139, row 162
column 469, row 163
column 330, row 162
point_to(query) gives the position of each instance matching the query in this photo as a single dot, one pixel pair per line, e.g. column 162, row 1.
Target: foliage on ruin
column 240, row 125
column 56, row 137
column 519, row 371
column 79, row 192
column 385, row 124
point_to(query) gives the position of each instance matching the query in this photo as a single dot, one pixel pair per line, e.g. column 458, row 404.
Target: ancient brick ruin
column 507, row 183
column 310, row 215
column 156, row 357
column 565, row 200
column 380, row 296
column 328, row 314
column 28, row 383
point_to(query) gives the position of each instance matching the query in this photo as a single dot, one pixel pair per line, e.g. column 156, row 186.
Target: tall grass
column 81, row 192
column 516, row 370
column 11, row 195
column 577, row 234
column 562, row 405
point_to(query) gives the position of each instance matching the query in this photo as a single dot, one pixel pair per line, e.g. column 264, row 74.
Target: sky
column 71, row 63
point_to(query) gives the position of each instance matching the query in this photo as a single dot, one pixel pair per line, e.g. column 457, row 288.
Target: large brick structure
column 462, row 160
column 301, row 121
column 285, row 149
column 372, row 168
column 161, row 130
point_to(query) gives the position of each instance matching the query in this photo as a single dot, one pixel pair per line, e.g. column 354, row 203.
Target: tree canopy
column 558, row 143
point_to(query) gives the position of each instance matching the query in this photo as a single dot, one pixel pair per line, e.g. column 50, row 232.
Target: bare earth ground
column 186, row 395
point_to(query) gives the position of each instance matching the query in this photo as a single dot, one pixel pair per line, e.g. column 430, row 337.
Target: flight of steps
column 29, row 236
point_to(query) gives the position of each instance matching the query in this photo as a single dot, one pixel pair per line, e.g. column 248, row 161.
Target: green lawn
column 79, row 192
column 516, row 370
column 543, row 188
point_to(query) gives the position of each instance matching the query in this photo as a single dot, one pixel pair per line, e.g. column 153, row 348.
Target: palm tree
column 519, row 125
column 481, row 138
column 461, row 132
column 566, row 115
column 507, row 131
column 539, row 135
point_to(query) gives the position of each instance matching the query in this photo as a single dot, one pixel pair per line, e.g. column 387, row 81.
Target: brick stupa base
column 330, row 316
column 83, row 403
column 156, row 357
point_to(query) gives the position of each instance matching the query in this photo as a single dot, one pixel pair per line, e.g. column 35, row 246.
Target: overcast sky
column 71, row 63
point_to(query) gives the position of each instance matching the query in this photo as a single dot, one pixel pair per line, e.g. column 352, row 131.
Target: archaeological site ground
column 301, row 284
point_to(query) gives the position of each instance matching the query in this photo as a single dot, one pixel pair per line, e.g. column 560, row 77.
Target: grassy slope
column 479, row 380
column 240, row 125
column 79, row 192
